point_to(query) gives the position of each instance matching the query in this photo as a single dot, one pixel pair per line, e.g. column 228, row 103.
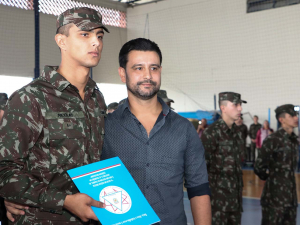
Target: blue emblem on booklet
column 110, row 182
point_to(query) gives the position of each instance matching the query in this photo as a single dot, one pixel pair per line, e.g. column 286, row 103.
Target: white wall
column 211, row 46
column 17, row 43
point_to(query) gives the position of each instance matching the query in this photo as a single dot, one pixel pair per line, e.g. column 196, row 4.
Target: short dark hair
column 281, row 115
column 64, row 29
column 255, row 116
column 139, row 44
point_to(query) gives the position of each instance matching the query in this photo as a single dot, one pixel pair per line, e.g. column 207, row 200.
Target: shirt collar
column 165, row 108
column 286, row 135
column 58, row 81
column 224, row 126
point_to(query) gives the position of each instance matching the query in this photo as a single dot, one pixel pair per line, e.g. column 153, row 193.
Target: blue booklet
column 110, row 182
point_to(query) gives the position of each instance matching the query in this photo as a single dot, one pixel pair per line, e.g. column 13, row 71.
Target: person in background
column 163, row 95
column 202, row 126
column 262, row 133
column 276, row 164
column 243, row 128
column 112, row 107
column 223, row 144
column 3, row 100
column 3, row 218
column 252, row 133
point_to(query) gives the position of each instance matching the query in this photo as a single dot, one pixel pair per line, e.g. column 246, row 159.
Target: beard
column 138, row 92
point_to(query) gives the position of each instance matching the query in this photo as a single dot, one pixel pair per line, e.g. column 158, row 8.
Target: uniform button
column 147, row 187
column 148, row 164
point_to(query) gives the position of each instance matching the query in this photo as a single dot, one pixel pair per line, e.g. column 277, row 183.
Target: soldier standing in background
column 276, row 163
column 3, row 218
column 223, row 145
column 252, row 133
column 243, row 128
column 163, row 95
column 3, row 100
column 54, row 124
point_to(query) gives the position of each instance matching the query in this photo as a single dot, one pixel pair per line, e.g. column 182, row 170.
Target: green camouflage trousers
column 279, row 216
column 226, row 218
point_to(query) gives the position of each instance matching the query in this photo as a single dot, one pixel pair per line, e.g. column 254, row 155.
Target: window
column 111, row 17
column 113, row 92
column 258, row 5
column 9, row 84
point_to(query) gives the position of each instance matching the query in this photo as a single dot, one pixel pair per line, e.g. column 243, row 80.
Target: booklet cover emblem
column 110, row 182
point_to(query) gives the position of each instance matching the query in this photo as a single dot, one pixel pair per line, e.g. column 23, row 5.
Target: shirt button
column 147, row 187
column 148, row 164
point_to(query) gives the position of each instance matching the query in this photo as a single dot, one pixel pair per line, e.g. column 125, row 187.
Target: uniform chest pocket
column 283, row 157
column 227, row 153
column 67, row 138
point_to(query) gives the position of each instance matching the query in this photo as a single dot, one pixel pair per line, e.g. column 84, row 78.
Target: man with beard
column 158, row 147
column 223, row 145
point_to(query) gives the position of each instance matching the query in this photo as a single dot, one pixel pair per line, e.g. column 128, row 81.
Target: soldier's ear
column 122, row 74
column 60, row 40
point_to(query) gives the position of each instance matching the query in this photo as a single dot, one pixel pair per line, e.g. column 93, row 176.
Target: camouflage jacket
column 253, row 130
column 223, row 151
column 278, row 155
column 46, row 130
column 243, row 128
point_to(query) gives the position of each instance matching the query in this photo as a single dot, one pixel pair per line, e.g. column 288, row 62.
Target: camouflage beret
column 84, row 18
column 231, row 96
column 113, row 105
column 163, row 95
column 287, row 108
column 3, row 100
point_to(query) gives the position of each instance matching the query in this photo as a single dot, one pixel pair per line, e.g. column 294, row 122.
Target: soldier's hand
column 14, row 209
column 80, row 205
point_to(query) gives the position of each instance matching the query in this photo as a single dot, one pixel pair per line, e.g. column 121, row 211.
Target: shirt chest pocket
column 67, row 138
column 172, row 170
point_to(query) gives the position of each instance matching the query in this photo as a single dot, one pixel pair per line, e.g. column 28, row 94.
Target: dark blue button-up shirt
column 160, row 162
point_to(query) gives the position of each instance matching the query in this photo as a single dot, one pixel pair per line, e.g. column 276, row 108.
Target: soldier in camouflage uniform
column 3, row 219
column 276, row 163
column 223, row 145
column 54, row 124
column 252, row 133
column 243, row 128
column 3, row 100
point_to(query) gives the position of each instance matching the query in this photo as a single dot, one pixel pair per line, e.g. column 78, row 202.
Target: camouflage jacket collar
column 286, row 135
column 224, row 126
column 57, row 80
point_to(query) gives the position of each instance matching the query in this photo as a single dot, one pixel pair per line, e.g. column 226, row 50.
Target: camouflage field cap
column 287, row 108
column 3, row 100
column 113, row 105
column 122, row 101
column 231, row 96
column 163, row 95
column 84, row 18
